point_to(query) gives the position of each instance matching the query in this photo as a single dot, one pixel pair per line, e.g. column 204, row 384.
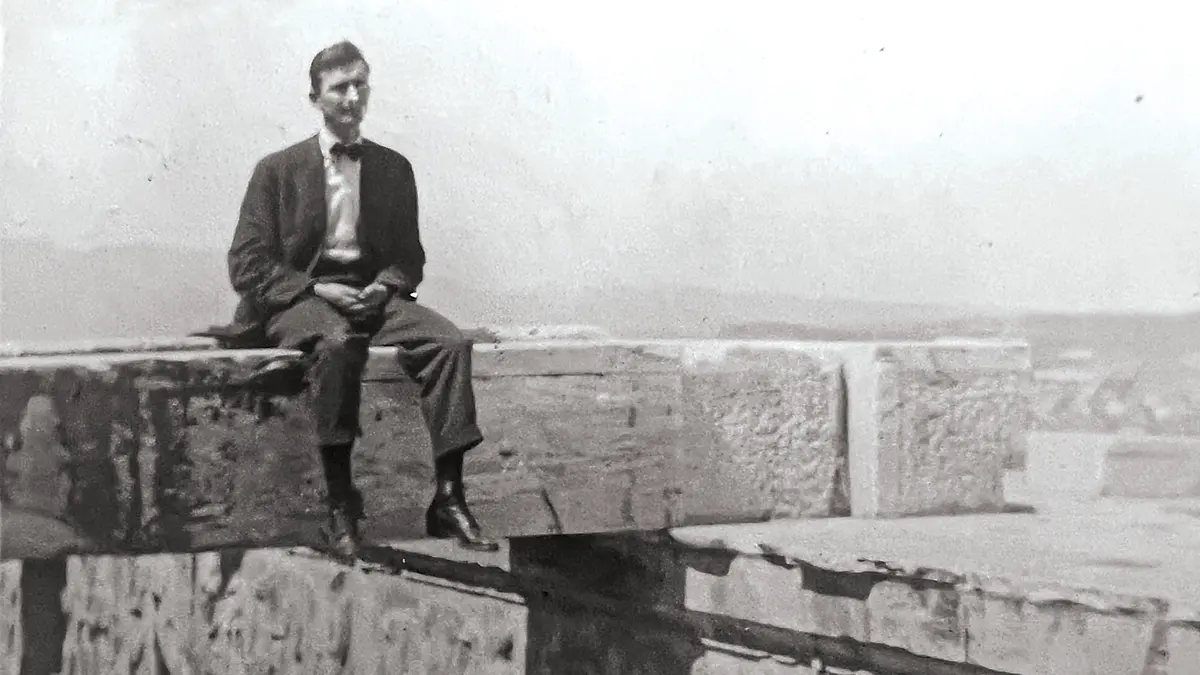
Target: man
column 327, row 258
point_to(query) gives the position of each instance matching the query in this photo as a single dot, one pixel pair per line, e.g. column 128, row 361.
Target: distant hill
column 50, row 292
column 54, row 293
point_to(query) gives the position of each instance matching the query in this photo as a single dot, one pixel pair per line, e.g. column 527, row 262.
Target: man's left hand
column 371, row 299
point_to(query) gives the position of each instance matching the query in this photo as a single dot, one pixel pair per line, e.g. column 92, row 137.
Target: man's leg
column 337, row 356
column 437, row 355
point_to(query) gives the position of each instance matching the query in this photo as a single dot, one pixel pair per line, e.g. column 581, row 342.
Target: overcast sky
column 1036, row 155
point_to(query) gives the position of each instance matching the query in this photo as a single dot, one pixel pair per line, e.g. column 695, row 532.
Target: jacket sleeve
column 256, row 263
column 404, row 269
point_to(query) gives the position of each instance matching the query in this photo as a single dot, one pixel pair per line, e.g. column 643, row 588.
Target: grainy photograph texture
column 464, row 337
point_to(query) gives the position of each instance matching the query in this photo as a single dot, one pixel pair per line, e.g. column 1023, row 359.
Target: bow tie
column 352, row 152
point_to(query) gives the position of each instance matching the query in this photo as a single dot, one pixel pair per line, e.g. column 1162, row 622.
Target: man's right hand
column 340, row 296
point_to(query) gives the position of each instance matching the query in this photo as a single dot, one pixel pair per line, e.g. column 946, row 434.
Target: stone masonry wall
column 603, row 604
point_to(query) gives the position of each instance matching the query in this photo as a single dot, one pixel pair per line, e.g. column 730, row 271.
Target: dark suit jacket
column 281, row 228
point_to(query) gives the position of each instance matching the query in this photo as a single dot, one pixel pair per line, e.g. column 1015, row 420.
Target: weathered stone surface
column 1015, row 635
column 12, row 638
column 878, row 596
column 797, row 597
column 147, row 601
column 109, row 346
column 480, row 334
column 924, row 620
column 1182, row 649
column 779, row 410
column 1078, row 590
column 271, row 612
column 932, row 425
column 164, row 452
column 291, row 613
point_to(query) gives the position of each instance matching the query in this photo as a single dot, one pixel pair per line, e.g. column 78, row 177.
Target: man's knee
column 340, row 348
column 455, row 343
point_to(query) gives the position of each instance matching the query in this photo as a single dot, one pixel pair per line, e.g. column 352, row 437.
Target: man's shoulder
column 292, row 154
column 387, row 152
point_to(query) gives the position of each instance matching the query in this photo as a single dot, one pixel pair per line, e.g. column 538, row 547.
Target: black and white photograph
column 520, row 337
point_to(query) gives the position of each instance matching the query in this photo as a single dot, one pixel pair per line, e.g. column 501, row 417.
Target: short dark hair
column 332, row 57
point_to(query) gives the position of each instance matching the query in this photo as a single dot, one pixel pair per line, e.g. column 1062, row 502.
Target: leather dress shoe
column 279, row 376
column 341, row 532
column 449, row 518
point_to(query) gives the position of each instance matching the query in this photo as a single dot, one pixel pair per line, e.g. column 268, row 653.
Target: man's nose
column 352, row 94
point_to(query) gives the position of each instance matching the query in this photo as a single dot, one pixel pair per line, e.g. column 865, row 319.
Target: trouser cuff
column 461, row 442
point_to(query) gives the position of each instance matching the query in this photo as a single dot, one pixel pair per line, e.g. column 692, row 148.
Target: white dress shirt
column 342, row 202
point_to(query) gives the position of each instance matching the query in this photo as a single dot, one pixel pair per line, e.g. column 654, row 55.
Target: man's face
column 343, row 96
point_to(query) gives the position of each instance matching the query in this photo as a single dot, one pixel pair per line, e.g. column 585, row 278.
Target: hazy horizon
column 177, row 291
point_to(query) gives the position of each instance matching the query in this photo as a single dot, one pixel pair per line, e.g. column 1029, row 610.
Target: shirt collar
column 326, row 139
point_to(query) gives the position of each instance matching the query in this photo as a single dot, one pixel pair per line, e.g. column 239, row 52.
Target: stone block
column 12, row 637
column 282, row 611
column 1019, row 635
column 796, row 597
column 1182, row 649
column 756, row 598
column 932, row 425
column 147, row 601
column 1083, row 589
column 922, row 619
column 268, row 611
column 779, row 447
column 167, row 453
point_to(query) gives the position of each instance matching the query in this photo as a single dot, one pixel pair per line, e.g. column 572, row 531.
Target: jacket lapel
column 369, row 193
column 310, row 183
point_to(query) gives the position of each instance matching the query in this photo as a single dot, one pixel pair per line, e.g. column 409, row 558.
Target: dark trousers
column 432, row 350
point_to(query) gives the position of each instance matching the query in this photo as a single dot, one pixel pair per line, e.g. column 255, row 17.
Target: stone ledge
column 787, row 593
column 108, row 346
column 1107, row 588
column 482, row 334
column 582, row 436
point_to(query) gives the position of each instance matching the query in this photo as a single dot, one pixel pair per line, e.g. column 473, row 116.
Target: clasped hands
column 352, row 301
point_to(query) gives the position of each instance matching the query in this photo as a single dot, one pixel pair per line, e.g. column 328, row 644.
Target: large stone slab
column 1103, row 587
column 932, row 425
column 161, row 451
